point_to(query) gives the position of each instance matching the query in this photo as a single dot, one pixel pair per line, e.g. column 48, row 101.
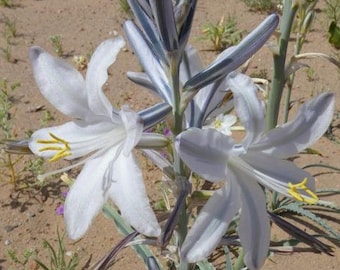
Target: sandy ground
column 27, row 216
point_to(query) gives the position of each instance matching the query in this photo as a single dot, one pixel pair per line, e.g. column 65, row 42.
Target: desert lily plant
column 192, row 97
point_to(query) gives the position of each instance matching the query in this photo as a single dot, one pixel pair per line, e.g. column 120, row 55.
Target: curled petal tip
column 34, row 52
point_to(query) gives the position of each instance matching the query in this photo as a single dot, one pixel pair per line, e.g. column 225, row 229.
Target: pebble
column 31, row 214
column 9, row 228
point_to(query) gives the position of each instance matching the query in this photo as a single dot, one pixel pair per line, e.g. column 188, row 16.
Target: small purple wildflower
column 60, row 210
column 167, row 132
column 164, row 154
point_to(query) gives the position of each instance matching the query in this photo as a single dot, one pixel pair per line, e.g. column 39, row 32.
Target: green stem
column 278, row 80
column 239, row 264
column 178, row 165
column 288, row 98
column 177, row 113
column 306, row 15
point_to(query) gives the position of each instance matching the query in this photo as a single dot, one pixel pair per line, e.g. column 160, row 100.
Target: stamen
column 294, row 191
column 56, row 144
column 42, row 177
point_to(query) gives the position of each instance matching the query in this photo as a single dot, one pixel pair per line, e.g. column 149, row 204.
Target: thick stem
column 177, row 113
column 278, row 80
column 300, row 39
column 279, row 75
column 182, row 180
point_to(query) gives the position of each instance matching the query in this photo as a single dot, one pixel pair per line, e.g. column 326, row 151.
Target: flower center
column 217, row 124
column 56, row 144
column 294, row 191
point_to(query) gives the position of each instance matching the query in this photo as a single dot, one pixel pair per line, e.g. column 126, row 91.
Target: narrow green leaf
column 143, row 251
column 43, row 266
column 205, row 265
column 228, row 262
column 334, row 34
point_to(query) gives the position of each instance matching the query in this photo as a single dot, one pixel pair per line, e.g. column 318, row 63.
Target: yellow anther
column 294, row 191
column 217, row 123
column 56, row 144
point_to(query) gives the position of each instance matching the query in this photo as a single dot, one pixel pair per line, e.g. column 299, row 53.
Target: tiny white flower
column 223, row 123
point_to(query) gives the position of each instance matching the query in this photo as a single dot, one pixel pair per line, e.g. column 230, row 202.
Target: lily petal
column 134, row 127
column 148, row 60
column 142, row 79
column 62, row 85
column 88, row 194
column 212, row 223
column 154, row 114
column 247, row 105
column 311, row 122
column 231, row 61
column 276, row 173
column 185, row 13
column 166, row 24
column 190, row 65
column 80, row 137
column 129, row 194
column 103, row 57
column 206, row 152
column 254, row 228
column 143, row 13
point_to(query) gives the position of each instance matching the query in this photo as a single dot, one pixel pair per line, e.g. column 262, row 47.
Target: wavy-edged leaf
column 320, row 204
column 295, row 208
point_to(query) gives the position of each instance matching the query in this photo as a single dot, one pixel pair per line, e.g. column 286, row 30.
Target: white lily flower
column 257, row 159
column 103, row 134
